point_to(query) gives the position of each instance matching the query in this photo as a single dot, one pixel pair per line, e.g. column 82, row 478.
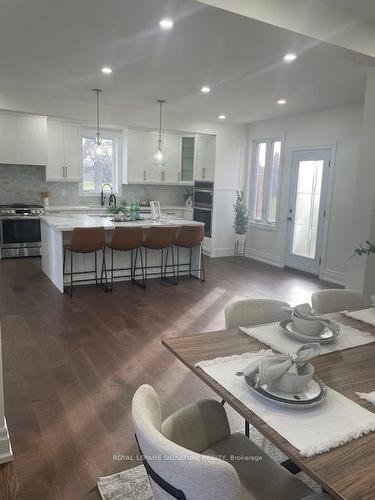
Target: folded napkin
column 368, row 396
column 271, row 367
column 305, row 311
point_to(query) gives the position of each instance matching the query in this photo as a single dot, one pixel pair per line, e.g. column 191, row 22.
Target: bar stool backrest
column 87, row 239
column 159, row 237
column 126, row 238
column 189, row 236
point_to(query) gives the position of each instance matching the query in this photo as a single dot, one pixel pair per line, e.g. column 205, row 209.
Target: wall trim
column 267, row 258
column 333, row 276
column 222, row 252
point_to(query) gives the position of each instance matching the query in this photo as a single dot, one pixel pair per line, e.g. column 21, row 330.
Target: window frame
column 264, row 222
column 117, row 137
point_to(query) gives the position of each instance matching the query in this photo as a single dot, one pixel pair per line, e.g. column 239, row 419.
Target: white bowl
column 292, row 383
column 307, row 326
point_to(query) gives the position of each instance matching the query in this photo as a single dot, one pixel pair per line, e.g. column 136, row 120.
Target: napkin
column 305, row 311
column 271, row 367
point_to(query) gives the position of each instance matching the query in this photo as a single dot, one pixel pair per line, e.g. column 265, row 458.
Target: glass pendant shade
column 159, row 158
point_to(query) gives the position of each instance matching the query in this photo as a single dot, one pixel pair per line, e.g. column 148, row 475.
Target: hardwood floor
column 71, row 365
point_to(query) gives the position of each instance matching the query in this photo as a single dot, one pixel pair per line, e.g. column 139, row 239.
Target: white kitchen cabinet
column 64, row 152
column 170, row 172
column 205, row 158
column 136, row 150
column 23, row 139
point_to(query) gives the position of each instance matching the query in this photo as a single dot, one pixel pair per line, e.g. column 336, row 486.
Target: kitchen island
column 56, row 231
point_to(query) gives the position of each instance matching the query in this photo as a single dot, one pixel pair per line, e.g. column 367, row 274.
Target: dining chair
column 250, row 312
column 181, row 456
column 335, row 300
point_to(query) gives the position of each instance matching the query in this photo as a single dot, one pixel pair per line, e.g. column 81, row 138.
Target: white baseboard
column 333, row 277
column 267, row 258
column 222, row 252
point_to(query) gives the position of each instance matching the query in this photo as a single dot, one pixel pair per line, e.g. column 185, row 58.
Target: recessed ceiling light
column 222, row 117
column 281, row 101
column 290, row 57
column 106, row 70
column 166, row 24
column 205, row 89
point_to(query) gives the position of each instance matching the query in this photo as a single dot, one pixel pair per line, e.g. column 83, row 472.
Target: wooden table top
column 347, row 472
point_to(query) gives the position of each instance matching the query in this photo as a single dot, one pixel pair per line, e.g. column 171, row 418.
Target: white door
column 307, row 209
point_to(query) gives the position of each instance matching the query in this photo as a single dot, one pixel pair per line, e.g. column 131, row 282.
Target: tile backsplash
column 23, row 184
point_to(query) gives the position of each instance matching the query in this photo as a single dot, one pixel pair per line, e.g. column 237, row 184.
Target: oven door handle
column 19, row 217
column 204, row 209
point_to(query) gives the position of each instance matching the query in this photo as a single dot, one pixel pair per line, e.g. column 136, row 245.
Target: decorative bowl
column 307, row 326
column 293, row 383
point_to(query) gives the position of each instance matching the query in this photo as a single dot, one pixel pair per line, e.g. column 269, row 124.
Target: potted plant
column 240, row 222
column 117, row 211
column 365, row 250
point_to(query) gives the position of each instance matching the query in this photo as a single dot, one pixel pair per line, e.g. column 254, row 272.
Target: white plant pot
column 189, row 203
column 240, row 244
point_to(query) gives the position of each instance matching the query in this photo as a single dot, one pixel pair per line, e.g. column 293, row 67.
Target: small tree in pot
column 240, row 222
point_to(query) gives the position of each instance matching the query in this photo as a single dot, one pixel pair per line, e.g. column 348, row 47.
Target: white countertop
column 99, row 208
column 69, row 222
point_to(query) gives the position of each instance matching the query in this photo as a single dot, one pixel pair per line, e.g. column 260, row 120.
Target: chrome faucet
column 112, row 197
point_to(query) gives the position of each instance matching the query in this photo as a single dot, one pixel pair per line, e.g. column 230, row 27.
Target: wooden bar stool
column 127, row 239
column 160, row 238
column 86, row 240
column 190, row 237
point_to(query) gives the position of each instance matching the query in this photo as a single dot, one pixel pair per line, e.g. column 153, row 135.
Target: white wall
column 340, row 127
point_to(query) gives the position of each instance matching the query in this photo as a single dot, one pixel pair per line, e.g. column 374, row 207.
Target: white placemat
column 272, row 336
column 365, row 315
column 333, row 423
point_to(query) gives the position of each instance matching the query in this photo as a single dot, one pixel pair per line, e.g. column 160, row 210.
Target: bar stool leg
column 161, row 264
column 71, row 274
column 166, row 264
column 202, row 268
column 96, row 270
column 191, row 254
column 145, row 267
column 111, row 270
column 175, row 282
column 104, row 268
column 178, row 264
column 132, row 265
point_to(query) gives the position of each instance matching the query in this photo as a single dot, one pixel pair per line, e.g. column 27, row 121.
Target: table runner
column 313, row 431
column 364, row 315
column 271, row 335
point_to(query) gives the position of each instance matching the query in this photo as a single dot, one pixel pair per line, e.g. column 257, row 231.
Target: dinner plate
column 314, row 394
column 326, row 337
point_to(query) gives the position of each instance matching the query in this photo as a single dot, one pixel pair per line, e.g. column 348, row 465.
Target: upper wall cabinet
column 64, row 152
column 23, row 139
column 205, row 158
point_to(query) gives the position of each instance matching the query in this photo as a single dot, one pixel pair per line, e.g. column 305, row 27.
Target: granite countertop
column 69, row 222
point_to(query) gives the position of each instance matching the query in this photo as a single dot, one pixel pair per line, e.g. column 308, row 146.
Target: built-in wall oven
column 20, row 230
column 203, row 204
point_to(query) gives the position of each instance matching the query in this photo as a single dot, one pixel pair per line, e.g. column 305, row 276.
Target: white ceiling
column 57, row 47
column 362, row 9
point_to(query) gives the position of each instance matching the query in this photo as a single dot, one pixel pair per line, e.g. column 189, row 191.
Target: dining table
column 346, row 472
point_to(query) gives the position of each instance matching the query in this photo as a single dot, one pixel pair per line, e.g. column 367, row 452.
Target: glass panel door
column 309, row 187
column 306, row 219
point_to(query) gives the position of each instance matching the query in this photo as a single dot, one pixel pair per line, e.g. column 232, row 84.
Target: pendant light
column 98, row 139
column 160, row 157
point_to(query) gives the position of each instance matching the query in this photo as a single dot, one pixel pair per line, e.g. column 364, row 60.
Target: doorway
column 307, row 209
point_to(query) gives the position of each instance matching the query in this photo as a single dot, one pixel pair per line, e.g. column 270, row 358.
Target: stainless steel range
column 20, row 230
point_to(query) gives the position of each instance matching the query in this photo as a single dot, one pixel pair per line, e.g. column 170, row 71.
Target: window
column 100, row 165
column 264, row 181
